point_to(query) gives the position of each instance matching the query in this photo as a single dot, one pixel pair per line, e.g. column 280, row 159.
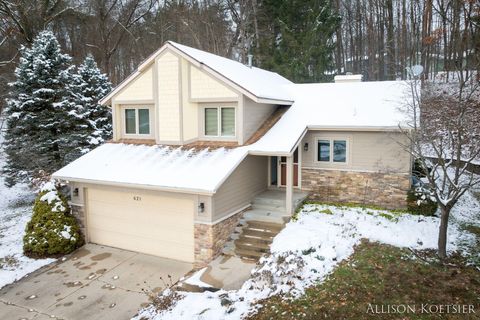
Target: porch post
column 289, row 186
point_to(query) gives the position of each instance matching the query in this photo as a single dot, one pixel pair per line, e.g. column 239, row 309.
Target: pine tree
column 93, row 122
column 37, row 110
column 300, row 44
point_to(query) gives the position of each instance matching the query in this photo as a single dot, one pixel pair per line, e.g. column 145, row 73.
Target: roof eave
column 355, row 128
column 135, row 185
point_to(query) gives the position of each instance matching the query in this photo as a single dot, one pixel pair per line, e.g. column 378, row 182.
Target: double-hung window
column 332, row 150
column 137, row 121
column 220, row 122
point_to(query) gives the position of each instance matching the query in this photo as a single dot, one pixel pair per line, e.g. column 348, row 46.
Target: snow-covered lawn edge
column 15, row 212
column 309, row 249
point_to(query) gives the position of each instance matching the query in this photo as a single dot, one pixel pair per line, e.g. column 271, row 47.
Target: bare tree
column 444, row 134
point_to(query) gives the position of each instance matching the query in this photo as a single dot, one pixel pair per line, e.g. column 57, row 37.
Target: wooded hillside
column 305, row 40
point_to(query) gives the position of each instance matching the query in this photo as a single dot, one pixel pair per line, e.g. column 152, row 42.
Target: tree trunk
column 442, row 235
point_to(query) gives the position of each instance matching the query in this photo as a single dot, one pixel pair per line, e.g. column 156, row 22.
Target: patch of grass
column 356, row 205
column 326, row 211
column 380, row 274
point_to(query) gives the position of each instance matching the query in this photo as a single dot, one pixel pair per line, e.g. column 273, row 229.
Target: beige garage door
column 149, row 222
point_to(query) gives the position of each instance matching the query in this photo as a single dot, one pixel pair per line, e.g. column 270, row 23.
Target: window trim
column 331, row 139
column 219, row 122
column 137, row 135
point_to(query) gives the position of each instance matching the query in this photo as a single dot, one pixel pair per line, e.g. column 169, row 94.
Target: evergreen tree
column 300, row 44
column 93, row 122
column 37, row 110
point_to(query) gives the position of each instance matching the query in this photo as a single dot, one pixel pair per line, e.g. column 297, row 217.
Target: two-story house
column 198, row 137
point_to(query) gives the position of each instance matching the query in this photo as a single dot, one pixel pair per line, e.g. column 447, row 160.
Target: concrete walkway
column 95, row 282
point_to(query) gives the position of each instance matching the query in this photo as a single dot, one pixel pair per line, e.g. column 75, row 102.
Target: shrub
column 52, row 231
column 421, row 201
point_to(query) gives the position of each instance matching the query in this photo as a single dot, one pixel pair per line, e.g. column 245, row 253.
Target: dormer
column 181, row 95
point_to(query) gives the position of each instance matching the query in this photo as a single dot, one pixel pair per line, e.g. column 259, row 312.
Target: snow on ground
column 308, row 249
column 15, row 212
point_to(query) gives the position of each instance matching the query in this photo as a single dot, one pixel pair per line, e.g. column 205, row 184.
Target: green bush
column 52, row 231
column 420, row 201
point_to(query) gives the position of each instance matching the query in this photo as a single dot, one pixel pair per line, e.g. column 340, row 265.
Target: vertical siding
column 254, row 115
column 190, row 109
column 204, row 86
column 367, row 151
column 168, row 97
column 248, row 179
column 139, row 89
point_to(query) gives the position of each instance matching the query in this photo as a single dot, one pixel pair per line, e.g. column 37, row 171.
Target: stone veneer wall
column 210, row 239
column 388, row 190
column 79, row 213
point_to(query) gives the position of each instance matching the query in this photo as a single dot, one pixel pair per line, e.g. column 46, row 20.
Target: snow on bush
column 52, row 231
column 305, row 252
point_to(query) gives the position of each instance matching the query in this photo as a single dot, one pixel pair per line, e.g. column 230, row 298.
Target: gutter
column 136, row 186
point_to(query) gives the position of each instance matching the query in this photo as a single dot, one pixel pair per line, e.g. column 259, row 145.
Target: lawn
column 330, row 261
column 379, row 275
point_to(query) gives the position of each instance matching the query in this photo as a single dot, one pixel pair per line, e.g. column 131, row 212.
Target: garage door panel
column 143, row 221
column 113, row 211
column 145, row 245
column 179, row 205
column 152, row 229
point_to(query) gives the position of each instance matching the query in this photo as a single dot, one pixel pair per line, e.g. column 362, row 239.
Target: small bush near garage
column 52, row 231
column 421, row 201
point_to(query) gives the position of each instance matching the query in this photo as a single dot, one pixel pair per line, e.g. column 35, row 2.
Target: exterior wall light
column 305, row 146
column 201, row 207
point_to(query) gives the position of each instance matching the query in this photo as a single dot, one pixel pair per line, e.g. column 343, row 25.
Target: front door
column 283, row 170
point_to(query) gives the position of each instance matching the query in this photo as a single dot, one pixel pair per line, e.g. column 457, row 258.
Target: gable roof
column 258, row 84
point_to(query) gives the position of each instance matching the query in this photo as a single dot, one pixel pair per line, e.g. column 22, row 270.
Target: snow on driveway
column 15, row 212
column 308, row 249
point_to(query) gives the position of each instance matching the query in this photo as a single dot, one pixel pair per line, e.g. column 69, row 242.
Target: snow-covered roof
column 257, row 83
column 336, row 106
column 261, row 83
column 353, row 106
column 154, row 167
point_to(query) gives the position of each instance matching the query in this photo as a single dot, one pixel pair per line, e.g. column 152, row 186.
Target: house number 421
column 137, row 198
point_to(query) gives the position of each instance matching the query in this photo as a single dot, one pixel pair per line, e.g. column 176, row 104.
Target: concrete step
column 256, row 246
column 264, row 237
column 264, row 226
column 249, row 254
column 265, row 216
column 259, row 233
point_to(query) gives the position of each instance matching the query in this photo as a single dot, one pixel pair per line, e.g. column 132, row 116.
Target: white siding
column 168, row 97
column 139, row 89
column 190, row 109
column 204, row 86
column 367, row 151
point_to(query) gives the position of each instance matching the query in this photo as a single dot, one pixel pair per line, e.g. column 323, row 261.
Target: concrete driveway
column 95, row 282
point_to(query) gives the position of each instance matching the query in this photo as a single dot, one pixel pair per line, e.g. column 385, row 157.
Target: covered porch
column 284, row 181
